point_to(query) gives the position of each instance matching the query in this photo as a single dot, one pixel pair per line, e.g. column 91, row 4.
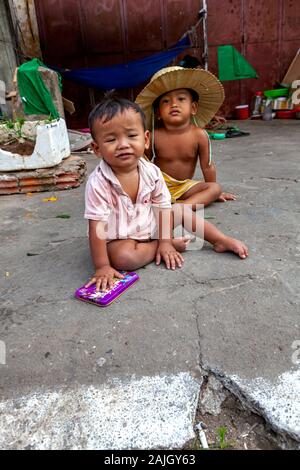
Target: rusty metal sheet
column 224, row 22
column 232, row 98
column 60, row 31
column 102, row 26
column 291, row 20
column 289, row 50
column 179, row 16
column 81, row 33
column 144, row 25
column 266, row 62
column 261, row 20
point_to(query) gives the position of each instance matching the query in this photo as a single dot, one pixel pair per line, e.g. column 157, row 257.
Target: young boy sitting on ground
column 180, row 98
column 126, row 196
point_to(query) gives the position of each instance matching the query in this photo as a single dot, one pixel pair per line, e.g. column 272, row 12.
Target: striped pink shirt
column 106, row 201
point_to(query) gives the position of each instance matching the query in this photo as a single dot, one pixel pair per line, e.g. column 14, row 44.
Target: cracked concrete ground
column 129, row 375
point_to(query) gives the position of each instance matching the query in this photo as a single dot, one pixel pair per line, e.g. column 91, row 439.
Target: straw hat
column 210, row 91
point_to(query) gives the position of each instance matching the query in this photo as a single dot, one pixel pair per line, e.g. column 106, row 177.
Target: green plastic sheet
column 232, row 65
column 35, row 96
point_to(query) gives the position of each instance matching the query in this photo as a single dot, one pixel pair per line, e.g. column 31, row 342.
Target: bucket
column 285, row 114
column 242, row 111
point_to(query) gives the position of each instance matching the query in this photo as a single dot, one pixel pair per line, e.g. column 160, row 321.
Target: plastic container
column 256, row 103
column 285, row 114
column 242, row 111
column 217, row 135
column 268, row 111
column 280, row 103
column 276, row 93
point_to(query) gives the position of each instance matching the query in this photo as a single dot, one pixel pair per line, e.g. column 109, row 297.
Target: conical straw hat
column 209, row 89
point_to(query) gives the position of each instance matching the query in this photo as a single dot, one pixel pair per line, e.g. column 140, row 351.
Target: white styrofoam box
column 51, row 146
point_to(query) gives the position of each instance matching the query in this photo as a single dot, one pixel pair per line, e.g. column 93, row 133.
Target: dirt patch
column 235, row 428
column 230, row 424
column 21, row 148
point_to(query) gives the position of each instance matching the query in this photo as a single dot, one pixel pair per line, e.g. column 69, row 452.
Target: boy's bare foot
column 231, row 244
column 180, row 244
column 226, row 197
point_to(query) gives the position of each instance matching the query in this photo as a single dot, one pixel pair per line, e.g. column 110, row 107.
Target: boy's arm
column 161, row 206
column 208, row 167
column 165, row 249
column 104, row 273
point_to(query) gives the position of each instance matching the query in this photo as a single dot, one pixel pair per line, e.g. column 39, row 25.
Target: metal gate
column 89, row 33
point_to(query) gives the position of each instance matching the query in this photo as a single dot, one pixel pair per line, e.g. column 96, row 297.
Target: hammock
column 126, row 75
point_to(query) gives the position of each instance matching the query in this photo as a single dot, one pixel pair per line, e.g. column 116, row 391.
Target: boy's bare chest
column 179, row 148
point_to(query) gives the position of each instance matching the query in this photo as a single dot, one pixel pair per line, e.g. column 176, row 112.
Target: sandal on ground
column 234, row 132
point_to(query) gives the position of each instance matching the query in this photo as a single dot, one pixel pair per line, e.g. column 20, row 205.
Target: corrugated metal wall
column 78, row 33
column 266, row 32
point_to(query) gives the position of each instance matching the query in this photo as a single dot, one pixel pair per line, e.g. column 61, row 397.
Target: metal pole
column 205, row 53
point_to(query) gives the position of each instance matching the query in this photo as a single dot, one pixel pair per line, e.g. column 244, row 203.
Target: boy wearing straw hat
column 181, row 102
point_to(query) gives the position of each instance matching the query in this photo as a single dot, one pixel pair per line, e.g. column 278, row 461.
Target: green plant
column 18, row 129
column 222, row 431
column 15, row 130
column 9, row 124
column 50, row 119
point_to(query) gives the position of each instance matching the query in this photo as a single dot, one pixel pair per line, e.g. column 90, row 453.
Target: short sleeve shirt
column 106, row 201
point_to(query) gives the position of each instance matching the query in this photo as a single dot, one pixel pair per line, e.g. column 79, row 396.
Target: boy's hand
column 103, row 278
column 167, row 252
column 226, row 197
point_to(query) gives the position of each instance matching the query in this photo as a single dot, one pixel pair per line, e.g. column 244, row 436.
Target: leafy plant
column 222, row 431
column 50, row 119
column 9, row 124
column 18, row 129
column 15, row 130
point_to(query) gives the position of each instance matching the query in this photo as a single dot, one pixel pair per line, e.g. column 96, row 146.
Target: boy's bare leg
column 202, row 193
column 203, row 229
column 130, row 254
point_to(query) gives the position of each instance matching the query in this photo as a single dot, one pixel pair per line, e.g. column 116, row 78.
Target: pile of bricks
column 70, row 173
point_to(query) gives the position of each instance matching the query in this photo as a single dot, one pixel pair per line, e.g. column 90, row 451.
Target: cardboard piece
column 11, row 94
column 68, row 105
column 293, row 72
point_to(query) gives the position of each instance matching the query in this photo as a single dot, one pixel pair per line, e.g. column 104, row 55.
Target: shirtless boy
column 183, row 101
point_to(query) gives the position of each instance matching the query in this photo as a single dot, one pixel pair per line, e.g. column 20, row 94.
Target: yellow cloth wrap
column 176, row 187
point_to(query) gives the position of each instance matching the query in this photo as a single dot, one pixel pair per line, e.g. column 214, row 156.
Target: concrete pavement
column 129, row 375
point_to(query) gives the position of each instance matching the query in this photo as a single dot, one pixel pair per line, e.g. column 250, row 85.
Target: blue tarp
column 127, row 75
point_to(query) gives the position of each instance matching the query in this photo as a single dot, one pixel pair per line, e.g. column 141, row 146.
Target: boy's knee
column 125, row 259
column 216, row 189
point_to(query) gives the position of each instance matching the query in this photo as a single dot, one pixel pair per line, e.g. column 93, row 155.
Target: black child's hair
column 109, row 107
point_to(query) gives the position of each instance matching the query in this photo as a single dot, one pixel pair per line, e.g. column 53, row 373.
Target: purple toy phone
column 104, row 298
